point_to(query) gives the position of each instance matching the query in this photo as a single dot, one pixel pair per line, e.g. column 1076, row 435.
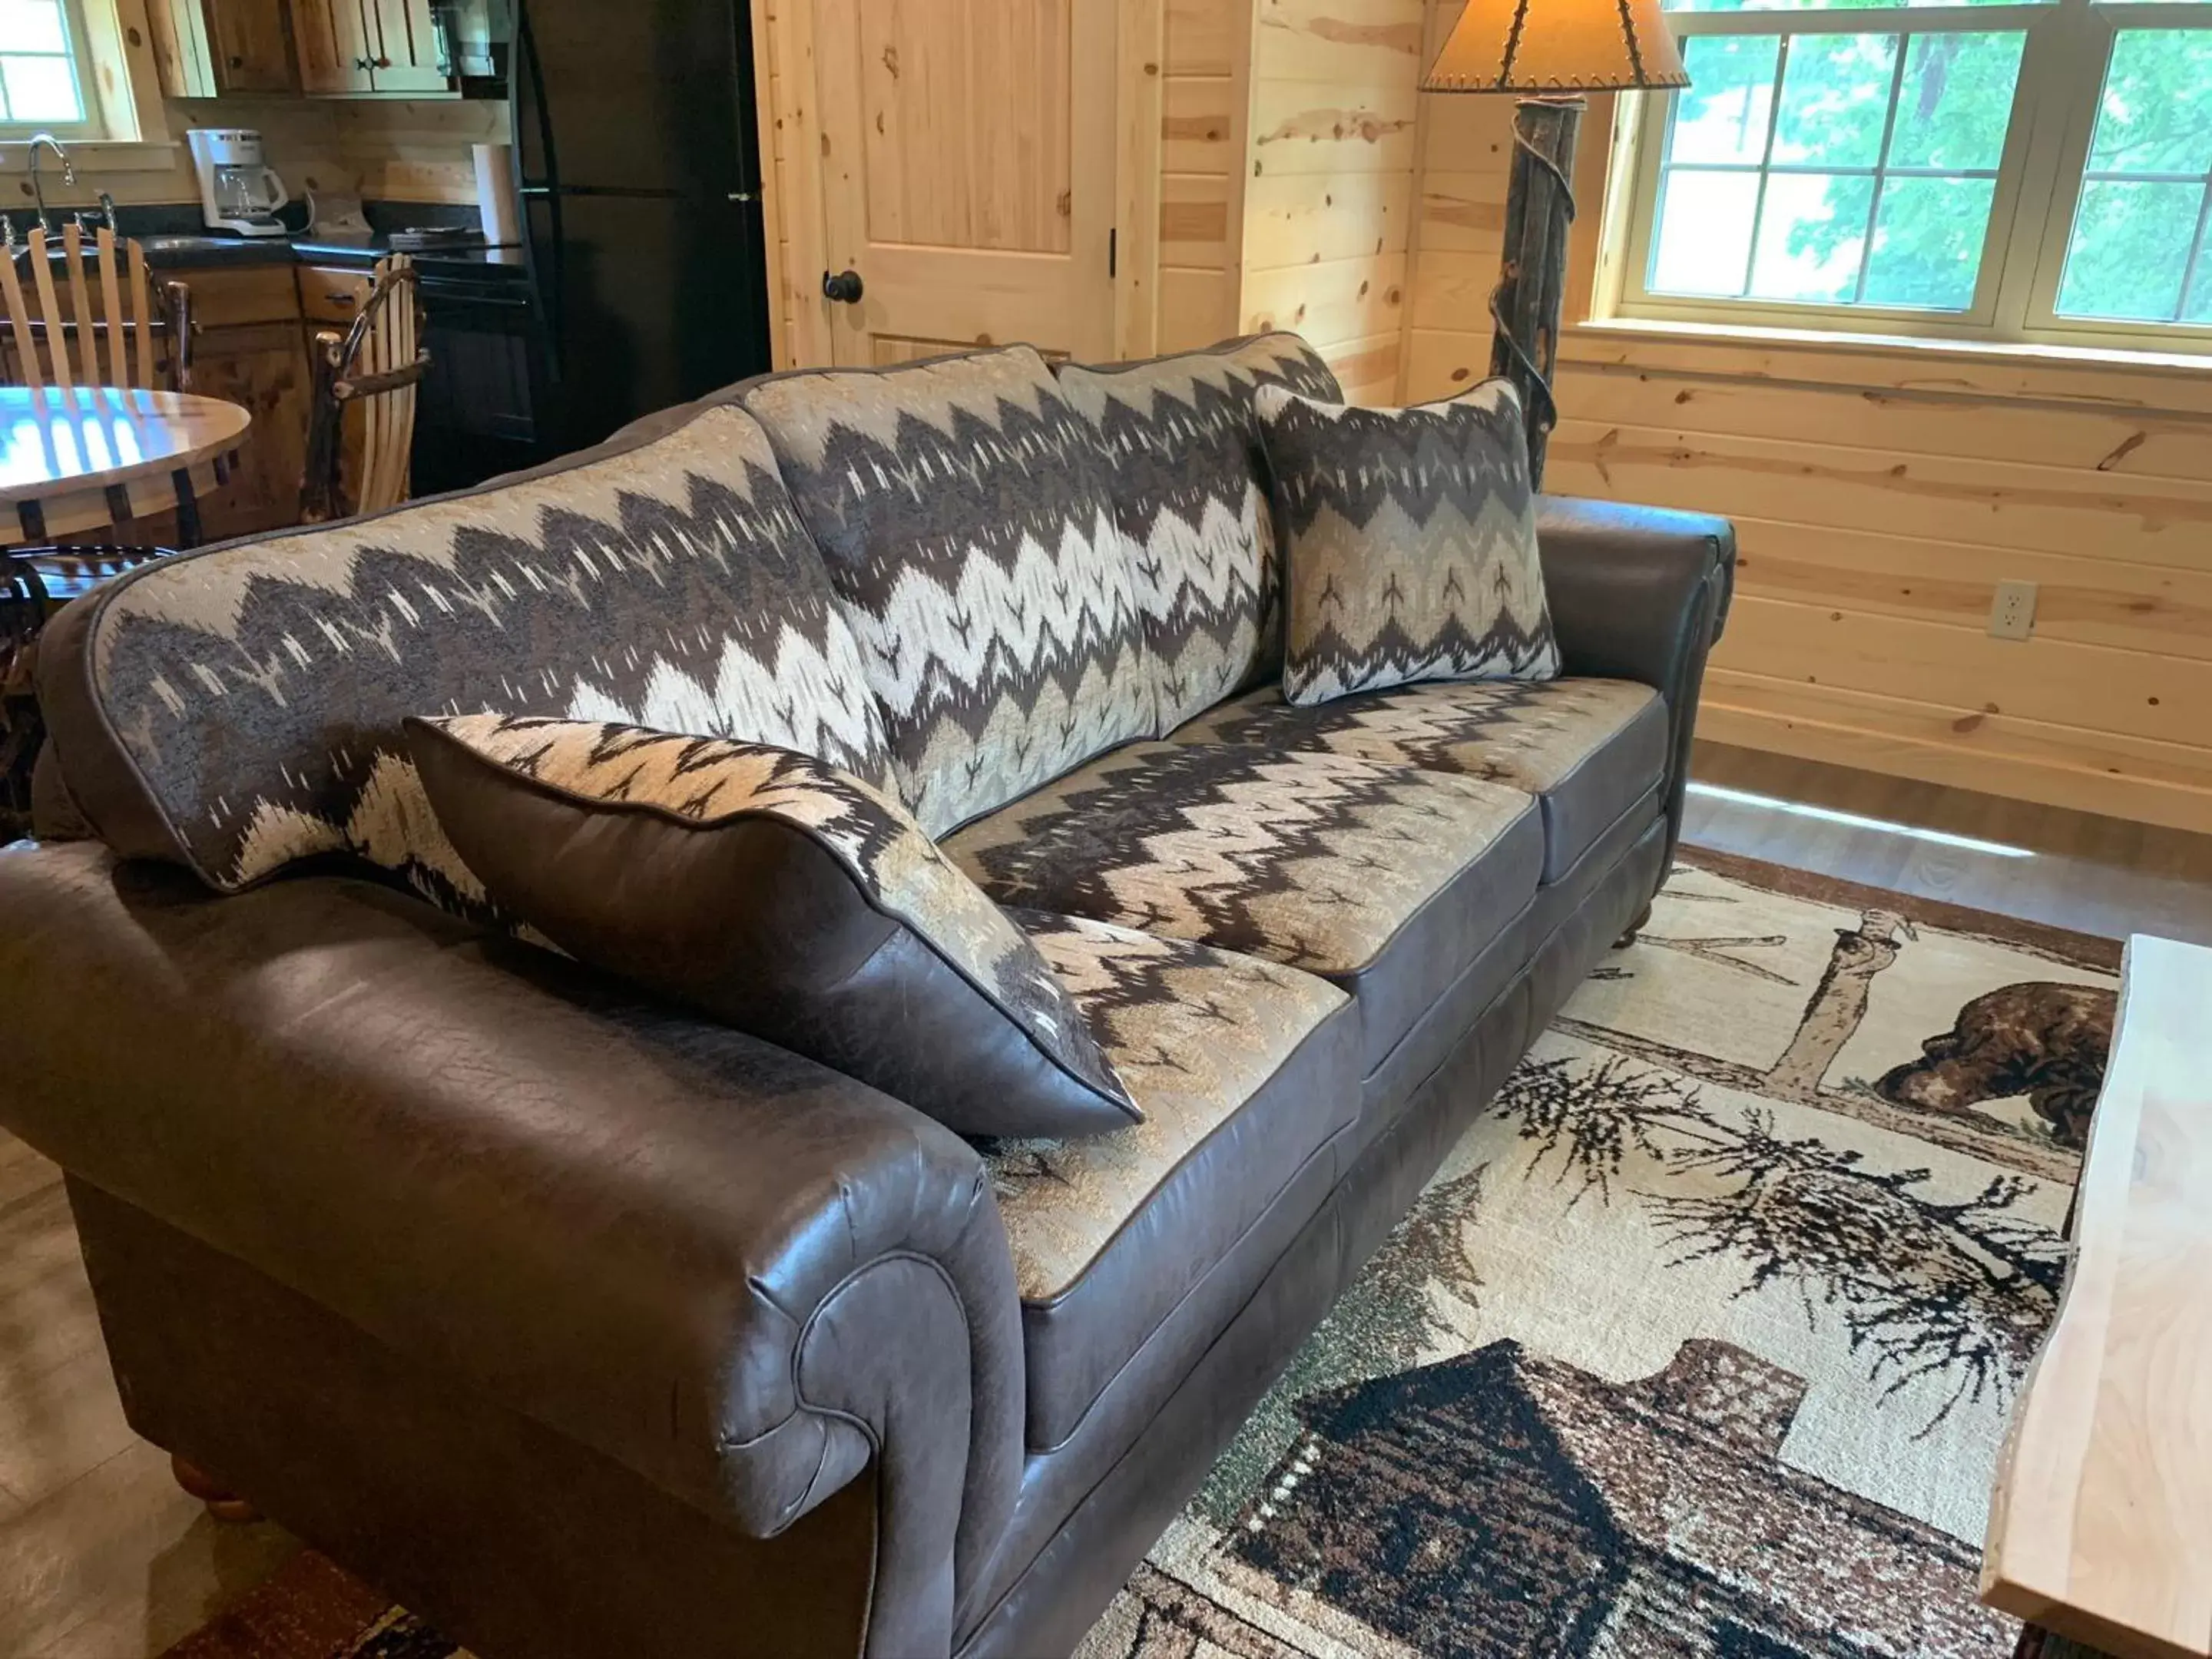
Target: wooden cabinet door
column 968, row 173
column 263, row 367
column 252, row 49
column 334, row 38
column 408, row 56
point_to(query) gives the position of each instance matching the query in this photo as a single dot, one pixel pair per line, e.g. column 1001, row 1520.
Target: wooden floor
column 101, row 1557
column 2094, row 875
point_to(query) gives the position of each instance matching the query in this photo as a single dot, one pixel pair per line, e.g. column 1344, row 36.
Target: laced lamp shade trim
column 1558, row 47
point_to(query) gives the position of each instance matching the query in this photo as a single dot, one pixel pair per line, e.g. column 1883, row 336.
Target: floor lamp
column 1550, row 51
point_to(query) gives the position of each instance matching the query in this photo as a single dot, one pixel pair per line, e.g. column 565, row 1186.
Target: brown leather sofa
column 586, row 1326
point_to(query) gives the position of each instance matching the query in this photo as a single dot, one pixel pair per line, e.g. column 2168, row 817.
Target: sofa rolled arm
column 743, row 1276
column 1639, row 593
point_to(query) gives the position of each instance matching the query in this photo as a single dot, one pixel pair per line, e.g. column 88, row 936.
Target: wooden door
column 251, row 49
column 334, row 47
column 968, row 173
column 408, row 57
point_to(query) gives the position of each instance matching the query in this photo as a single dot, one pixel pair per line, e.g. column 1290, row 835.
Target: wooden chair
column 376, row 367
column 112, row 326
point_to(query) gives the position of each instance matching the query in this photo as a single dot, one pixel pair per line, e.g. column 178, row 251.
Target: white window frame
column 2064, row 63
column 92, row 126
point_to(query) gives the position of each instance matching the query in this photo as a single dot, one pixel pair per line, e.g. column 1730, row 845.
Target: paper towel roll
column 496, row 197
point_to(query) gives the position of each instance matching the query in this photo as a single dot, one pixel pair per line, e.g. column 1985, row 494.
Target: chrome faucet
column 38, row 188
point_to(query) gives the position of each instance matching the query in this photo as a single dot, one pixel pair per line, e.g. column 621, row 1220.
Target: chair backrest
column 375, row 366
column 111, row 326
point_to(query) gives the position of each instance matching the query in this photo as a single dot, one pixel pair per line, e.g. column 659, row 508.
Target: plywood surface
column 2100, row 1527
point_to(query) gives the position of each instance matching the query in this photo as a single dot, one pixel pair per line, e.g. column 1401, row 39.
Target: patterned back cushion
column 1189, row 480
column 781, row 894
column 1410, row 538
column 240, row 709
column 964, row 518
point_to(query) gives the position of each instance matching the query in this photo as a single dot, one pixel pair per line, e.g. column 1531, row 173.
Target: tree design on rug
column 2064, row 1077
column 1959, row 1291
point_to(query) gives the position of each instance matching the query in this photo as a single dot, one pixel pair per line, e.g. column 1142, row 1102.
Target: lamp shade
column 1558, row 45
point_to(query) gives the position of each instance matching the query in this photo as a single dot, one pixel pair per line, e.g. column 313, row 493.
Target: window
column 2003, row 170
column 40, row 87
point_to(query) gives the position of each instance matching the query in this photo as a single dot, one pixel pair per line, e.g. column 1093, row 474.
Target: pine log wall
column 1880, row 493
column 1287, row 177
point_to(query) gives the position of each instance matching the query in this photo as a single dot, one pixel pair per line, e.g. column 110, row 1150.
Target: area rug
column 1701, row 1342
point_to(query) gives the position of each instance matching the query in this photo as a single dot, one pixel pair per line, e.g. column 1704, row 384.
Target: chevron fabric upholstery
column 1311, row 860
column 964, row 514
column 1587, row 750
column 1527, row 734
column 613, row 855
column 1410, row 539
column 1194, row 1031
column 1189, row 482
column 256, row 691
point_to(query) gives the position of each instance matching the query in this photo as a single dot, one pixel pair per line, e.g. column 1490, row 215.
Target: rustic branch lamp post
column 1550, row 52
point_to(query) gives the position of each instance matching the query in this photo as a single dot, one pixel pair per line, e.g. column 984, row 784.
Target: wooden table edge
column 164, row 466
column 2029, row 1561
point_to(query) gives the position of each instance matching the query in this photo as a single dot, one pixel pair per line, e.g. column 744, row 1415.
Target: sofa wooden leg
column 222, row 1503
column 1635, row 927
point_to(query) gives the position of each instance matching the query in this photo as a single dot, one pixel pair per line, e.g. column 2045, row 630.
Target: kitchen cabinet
column 250, row 350
column 204, row 48
column 252, row 45
column 262, row 367
column 334, row 46
column 390, row 47
column 333, row 295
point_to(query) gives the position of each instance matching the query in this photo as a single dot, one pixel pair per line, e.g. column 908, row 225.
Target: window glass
column 1874, row 185
column 2136, row 247
column 38, row 82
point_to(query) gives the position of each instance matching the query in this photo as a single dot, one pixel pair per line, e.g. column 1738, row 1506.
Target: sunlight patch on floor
column 1802, row 809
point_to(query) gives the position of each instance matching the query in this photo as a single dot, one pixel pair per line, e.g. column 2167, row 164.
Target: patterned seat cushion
column 1243, row 1069
column 238, row 710
column 1589, row 750
column 964, row 518
column 1189, row 480
column 777, row 893
column 1384, row 879
column 1409, row 543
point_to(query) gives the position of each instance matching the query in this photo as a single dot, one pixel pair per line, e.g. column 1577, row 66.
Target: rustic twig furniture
column 107, row 325
column 2101, row 1528
column 375, row 366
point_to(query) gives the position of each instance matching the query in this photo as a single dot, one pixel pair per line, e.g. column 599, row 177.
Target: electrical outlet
column 2012, row 613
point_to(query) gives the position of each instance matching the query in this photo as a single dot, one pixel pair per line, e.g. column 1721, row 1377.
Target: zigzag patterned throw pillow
column 961, row 507
column 1189, row 482
column 779, row 894
column 1410, row 543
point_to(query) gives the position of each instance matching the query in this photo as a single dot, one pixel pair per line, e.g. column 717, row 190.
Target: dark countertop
column 185, row 252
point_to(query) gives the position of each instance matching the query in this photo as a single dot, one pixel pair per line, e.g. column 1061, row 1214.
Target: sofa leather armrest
column 742, row 1275
column 1639, row 593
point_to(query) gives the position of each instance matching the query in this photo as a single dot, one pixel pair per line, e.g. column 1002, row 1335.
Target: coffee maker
column 238, row 191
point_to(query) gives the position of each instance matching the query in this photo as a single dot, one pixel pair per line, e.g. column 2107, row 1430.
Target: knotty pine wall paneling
column 1327, row 209
column 1880, row 493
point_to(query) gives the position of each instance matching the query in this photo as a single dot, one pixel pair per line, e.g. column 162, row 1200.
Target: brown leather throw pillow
column 770, row 890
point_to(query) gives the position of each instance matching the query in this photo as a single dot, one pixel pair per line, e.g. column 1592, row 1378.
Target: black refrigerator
column 638, row 168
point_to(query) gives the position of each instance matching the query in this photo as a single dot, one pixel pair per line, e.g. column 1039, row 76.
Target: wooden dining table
column 77, row 460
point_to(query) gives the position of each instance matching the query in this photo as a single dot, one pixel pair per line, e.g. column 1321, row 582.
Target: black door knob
column 844, row 286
